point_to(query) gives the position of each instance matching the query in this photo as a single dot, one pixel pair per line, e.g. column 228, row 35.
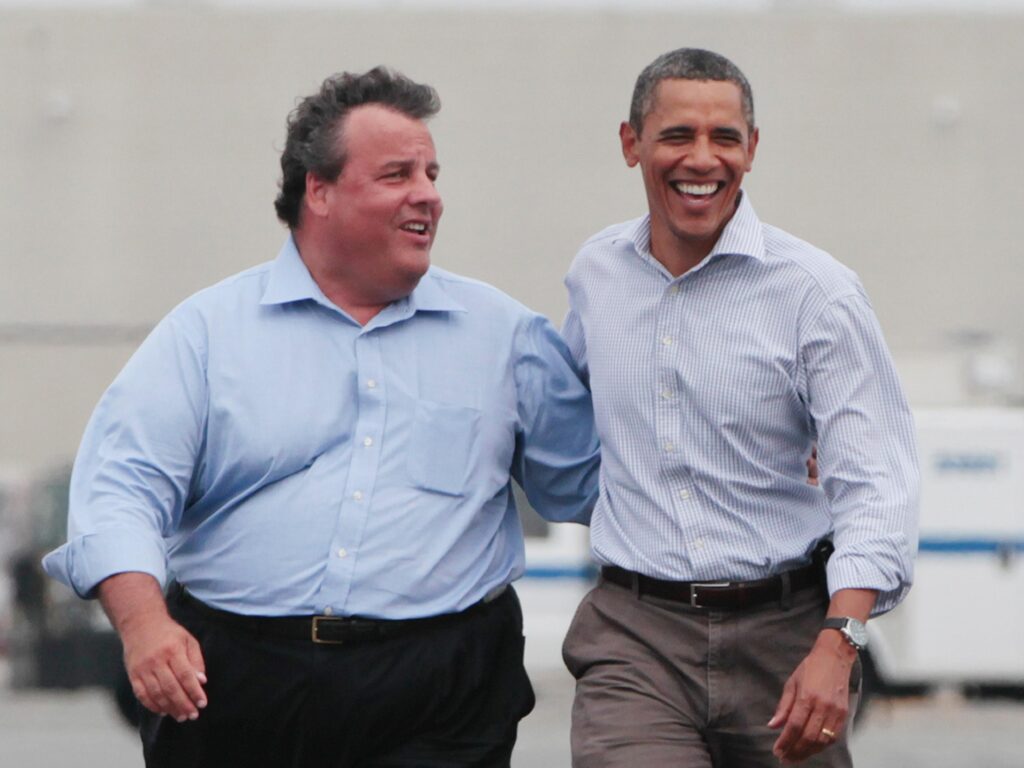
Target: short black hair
column 687, row 64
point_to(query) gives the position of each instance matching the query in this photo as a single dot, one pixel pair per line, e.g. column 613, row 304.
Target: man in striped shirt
column 720, row 351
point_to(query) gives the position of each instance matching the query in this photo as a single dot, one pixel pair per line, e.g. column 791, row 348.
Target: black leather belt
column 718, row 594
column 329, row 630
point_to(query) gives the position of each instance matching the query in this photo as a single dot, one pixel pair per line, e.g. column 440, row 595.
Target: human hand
column 815, row 701
column 165, row 665
column 164, row 662
column 812, row 467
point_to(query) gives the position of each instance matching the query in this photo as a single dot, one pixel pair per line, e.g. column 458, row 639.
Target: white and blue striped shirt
column 709, row 391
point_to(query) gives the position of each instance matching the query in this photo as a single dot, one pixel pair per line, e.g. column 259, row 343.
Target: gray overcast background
column 139, row 145
column 886, row 6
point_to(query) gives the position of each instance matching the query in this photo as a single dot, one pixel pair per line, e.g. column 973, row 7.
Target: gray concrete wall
column 139, row 151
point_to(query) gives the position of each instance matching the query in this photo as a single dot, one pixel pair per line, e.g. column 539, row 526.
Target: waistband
column 329, row 630
column 719, row 594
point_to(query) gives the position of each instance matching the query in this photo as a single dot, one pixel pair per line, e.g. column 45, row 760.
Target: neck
column 678, row 257
column 337, row 284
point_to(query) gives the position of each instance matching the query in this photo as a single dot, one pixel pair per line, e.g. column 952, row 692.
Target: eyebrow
column 404, row 164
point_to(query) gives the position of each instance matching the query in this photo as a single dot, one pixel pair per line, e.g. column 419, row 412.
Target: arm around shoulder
column 557, row 452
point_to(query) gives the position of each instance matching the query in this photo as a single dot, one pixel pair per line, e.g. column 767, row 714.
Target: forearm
column 855, row 603
column 131, row 598
column 164, row 662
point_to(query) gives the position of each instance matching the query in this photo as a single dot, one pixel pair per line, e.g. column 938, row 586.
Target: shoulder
column 246, row 285
column 219, row 303
column 809, row 265
column 479, row 314
column 610, row 238
column 611, row 233
column 606, row 247
column 476, row 296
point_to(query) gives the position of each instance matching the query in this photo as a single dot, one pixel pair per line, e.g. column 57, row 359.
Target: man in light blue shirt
column 319, row 451
column 719, row 351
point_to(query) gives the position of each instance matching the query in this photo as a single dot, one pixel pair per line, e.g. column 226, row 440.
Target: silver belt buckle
column 316, row 630
column 705, row 585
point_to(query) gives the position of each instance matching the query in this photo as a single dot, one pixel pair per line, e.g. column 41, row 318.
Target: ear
column 752, row 147
column 317, row 194
column 629, row 141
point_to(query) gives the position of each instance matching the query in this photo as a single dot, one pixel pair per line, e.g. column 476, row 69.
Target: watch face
column 857, row 632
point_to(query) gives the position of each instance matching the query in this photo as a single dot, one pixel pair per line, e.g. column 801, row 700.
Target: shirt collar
column 289, row 280
column 430, row 296
column 742, row 236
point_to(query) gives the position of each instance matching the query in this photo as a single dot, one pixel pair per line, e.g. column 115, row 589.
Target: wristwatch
column 852, row 630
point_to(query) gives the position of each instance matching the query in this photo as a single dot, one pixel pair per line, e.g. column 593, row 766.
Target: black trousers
column 444, row 695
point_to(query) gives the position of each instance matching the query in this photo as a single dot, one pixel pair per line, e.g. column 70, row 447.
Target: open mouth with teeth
column 695, row 191
column 416, row 227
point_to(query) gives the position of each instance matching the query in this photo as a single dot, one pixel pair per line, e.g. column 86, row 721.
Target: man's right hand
column 163, row 660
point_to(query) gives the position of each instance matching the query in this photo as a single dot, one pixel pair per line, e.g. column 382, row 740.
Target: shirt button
column 669, row 447
column 674, row 288
column 667, row 394
column 328, row 611
column 358, row 495
column 371, row 383
column 367, row 441
column 342, row 553
column 684, row 494
column 666, row 340
column 698, row 544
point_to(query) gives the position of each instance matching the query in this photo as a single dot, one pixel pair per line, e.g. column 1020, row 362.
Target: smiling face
column 693, row 152
column 378, row 219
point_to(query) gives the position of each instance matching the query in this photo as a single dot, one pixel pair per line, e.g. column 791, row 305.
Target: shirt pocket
column 441, row 445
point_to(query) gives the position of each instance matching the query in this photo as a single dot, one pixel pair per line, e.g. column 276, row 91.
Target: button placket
column 356, row 498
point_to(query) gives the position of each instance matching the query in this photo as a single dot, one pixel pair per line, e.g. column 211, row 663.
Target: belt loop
column 636, row 584
column 785, row 598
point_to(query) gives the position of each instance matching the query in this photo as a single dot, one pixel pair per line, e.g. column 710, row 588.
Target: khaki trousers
column 660, row 684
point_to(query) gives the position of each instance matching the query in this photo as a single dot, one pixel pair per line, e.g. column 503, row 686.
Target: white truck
column 962, row 625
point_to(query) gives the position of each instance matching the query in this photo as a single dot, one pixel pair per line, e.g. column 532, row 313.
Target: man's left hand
column 815, row 700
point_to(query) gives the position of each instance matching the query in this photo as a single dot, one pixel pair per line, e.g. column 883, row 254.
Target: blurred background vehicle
column 962, row 624
column 53, row 639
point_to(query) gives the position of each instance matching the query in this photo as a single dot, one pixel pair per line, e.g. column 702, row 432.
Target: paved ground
column 81, row 730
column 941, row 731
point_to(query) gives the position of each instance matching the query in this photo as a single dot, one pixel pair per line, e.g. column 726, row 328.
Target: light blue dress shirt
column 280, row 459
column 709, row 390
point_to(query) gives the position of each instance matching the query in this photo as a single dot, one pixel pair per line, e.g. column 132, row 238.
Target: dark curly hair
column 315, row 125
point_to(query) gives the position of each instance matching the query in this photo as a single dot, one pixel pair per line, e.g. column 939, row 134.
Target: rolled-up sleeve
column 134, row 469
column 557, row 453
column 867, row 451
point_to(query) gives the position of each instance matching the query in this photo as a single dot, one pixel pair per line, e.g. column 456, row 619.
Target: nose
column 424, row 192
column 701, row 157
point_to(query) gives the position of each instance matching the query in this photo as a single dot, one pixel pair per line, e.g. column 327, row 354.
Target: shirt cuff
column 853, row 571
column 87, row 560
